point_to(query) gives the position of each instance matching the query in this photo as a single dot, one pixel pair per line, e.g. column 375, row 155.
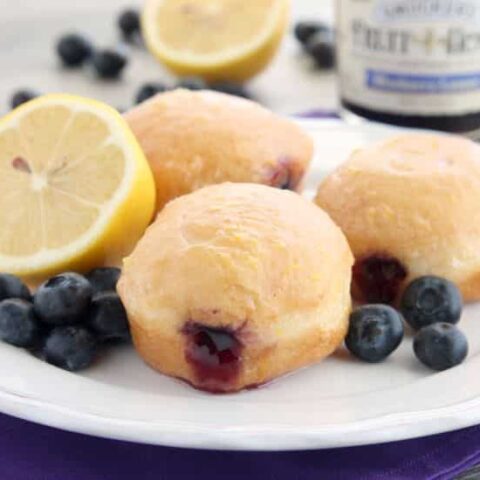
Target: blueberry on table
column 322, row 49
column 70, row 347
column 375, row 331
column 129, row 23
column 22, row 96
column 18, row 325
column 231, row 88
column 440, row 346
column 74, row 50
column 107, row 317
column 63, row 299
column 304, row 30
column 148, row 90
column 109, row 63
column 192, row 83
column 104, row 278
column 428, row 300
column 12, row 287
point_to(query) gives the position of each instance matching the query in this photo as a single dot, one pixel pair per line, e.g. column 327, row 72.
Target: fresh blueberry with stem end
column 440, row 346
column 375, row 331
column 109, row 63
column 304, row 30
column 149, row 90
column 74, row 50
column 12, row 287
column 129, row 23
column 192, row 83
column 70, row 347
column 22, row 96
column 231, row 88
column 428, row 300
column 104, row 278
column 322, row 50
column 107, row 317
column 63, row 300
column 18, row 325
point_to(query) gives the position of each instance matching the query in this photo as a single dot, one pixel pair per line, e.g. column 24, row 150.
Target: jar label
column 418, row 57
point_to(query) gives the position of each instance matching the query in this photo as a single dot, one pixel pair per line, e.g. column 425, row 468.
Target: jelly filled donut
column 236, row 284
column 409, row 206
column 193, row 139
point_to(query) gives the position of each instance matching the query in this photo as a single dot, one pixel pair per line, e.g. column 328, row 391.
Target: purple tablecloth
column 33, row 452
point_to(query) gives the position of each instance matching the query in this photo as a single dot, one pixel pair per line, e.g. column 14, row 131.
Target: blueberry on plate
column 18, row 325
column 428, row 300
column 70, row 347
column 104, row 278
column 231, row 88
column 74, row 50
column 375, row 331
column 63, row 299
column 148, row 90
column 129, row 23
column 12, row 287
column 22, row 96
column 304, row 30
column 107, row 317
column 322, row 49
column 192, row 83
column 440, row 346
column 109, row 63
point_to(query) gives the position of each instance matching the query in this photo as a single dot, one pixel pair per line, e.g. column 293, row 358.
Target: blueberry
column 305, row 30
column 129, row 23
column 231, row 88
column 12, row 287
column 428, row 300
column 109, row 63
column 440, row 346
column 322, row 49
column 18, row 325
column 71, row 347
column 104, row 278
column 192, row 83
column 107, row 317
column 74, row 50
column 375, row 332
column 22, row 96
column 149, row 90
column 63, row 299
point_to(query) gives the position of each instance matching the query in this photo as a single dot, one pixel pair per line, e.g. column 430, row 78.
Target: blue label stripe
column 435, row 84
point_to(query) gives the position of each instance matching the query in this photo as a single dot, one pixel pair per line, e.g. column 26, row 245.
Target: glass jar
column 412, row 63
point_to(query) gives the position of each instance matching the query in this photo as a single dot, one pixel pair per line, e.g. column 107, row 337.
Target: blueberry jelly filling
column 214, row 354
column 378, row 278
column 285, row 176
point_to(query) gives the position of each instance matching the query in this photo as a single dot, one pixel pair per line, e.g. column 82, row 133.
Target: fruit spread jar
column 412, row 63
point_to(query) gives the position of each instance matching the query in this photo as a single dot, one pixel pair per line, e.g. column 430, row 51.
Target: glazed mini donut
column 409, row 206
column 193, row 139
column 236, row 284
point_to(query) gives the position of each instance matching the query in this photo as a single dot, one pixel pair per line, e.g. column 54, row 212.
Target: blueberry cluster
column 77, row 51
column 432, row 306
column 68, row 319
column 318, row 41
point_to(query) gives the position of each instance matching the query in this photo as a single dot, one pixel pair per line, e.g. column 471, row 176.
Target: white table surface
column 289, row 85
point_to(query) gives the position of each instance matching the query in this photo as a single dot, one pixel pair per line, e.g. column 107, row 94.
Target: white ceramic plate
column 339, row 402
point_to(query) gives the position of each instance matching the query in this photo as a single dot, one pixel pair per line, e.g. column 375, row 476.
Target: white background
column 28, row 29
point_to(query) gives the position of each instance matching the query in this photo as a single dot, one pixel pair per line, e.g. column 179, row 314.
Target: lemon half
column 75, row 188
column 215, row 39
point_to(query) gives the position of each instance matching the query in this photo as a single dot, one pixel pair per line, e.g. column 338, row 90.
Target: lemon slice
column 75, row 189
column 216, row 39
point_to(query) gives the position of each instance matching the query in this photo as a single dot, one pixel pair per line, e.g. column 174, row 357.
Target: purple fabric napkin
column 33, row 452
